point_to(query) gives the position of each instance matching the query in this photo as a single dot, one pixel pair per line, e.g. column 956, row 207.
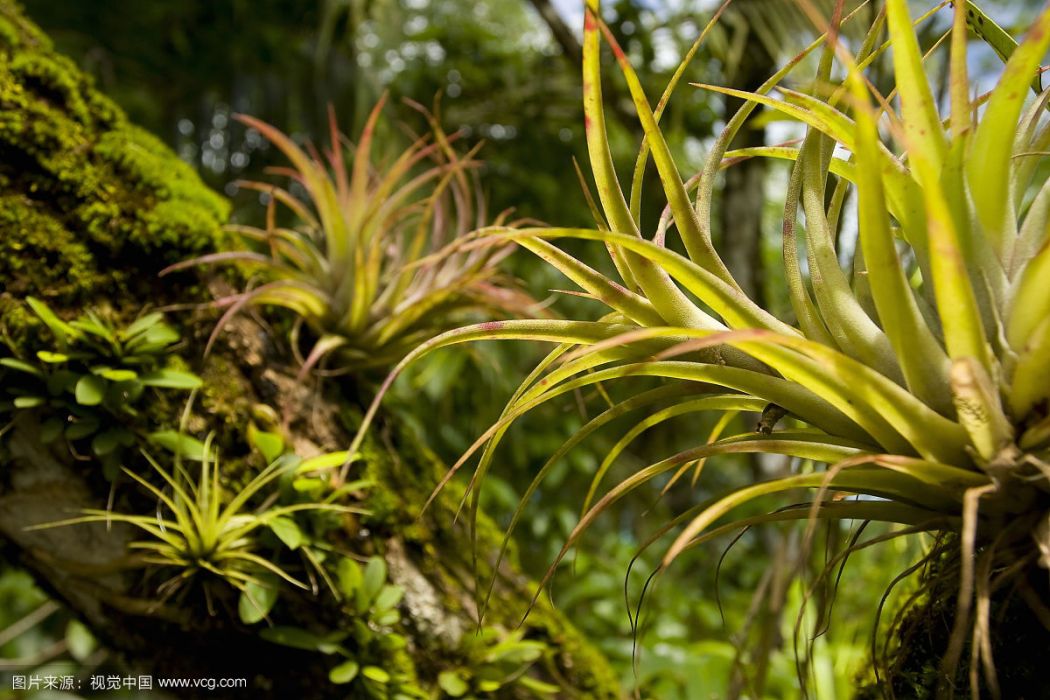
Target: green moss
column 8, row 33
column 589, row 672
column 21, row 34
column 176, row 214
column 44, row 256
column 80, row 184
column 16, row 321
column 224, row 395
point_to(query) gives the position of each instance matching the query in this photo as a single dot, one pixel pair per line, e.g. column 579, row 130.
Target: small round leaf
column 344, row 672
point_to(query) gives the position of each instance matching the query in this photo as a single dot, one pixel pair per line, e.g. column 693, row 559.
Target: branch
column 570, row 46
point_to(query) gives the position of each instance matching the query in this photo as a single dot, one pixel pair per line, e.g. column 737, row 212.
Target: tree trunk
column 91, row 208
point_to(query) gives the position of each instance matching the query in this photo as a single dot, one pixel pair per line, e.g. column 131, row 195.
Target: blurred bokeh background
column 506, row 72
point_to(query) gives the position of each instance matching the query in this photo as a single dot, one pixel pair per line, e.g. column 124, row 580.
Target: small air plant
column 918, row 381
column 370, row 266
column 205, row 534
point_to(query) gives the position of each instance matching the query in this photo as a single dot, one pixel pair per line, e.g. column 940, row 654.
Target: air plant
column 370, row 266
column 919, row 380
column 201, row 532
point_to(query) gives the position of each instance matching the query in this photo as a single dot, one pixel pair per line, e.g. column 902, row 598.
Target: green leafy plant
column 366, row 591
column 370, row 647
column 496, row 661
column 94, row 381
column 201, row 531
column 370, row 650
column 917, row 380
column 369, row 266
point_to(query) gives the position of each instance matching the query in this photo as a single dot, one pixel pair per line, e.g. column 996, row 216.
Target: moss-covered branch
column 91, row 208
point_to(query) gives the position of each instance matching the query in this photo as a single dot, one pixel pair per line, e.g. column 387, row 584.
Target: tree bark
column 91, row 208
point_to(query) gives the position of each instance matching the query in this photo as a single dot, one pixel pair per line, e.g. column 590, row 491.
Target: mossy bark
column 911, row 664
column 91, row 208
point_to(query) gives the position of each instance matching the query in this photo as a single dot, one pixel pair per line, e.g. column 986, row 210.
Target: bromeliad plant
column 202, row 533
column 920, row 378
column 369, row 265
